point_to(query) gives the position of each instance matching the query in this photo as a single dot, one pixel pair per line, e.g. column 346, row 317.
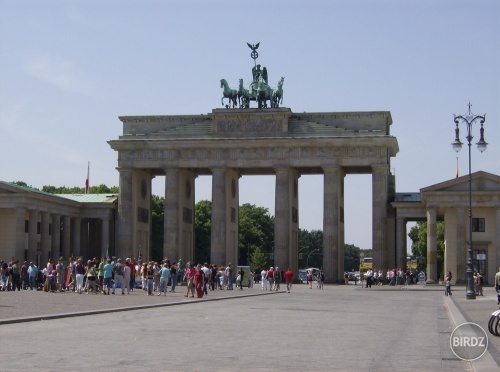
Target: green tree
column 157, row 217
column 351, row 257
column 101, row 189
column 418, row 235
column 256, row 230
column 202, row 231
column 258, row 260
column 22, row 184
column 310, row 248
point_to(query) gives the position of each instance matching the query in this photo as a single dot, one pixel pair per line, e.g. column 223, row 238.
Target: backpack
column 118, row 269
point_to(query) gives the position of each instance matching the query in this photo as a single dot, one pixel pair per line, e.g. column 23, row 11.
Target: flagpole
column 87, row 180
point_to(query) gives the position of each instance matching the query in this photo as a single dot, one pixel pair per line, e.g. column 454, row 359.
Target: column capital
column 331, row 167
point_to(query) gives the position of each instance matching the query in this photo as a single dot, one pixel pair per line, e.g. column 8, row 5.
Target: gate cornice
column 259, row 139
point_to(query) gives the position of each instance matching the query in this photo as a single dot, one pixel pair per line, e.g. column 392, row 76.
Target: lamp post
column 307, row 261
column 469, row 119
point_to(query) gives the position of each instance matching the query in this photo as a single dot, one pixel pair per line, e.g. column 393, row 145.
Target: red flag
column 456, row 172
column 87, row 180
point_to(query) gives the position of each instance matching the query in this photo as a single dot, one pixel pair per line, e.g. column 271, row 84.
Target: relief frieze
column 248, row 125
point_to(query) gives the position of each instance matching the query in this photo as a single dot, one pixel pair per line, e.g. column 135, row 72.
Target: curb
column 486, row 362
column 127, row 308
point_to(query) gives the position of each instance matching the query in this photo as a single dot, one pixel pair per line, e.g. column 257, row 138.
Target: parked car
column 302, row 276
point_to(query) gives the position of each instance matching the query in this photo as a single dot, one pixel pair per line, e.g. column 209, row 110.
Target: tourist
column 229, row 276
column 32, row 271
column 189, row 278
column 118, row 271
column 223, row 278
column 310, row 278
column 369, row 276
column 320, row 279
column 288, row 279
column 80, row 273
column 447, row 284
column 199, row 281
column 241, row 275
column 91, row 278
column 24, row 276
column 107, row 276
column 173, row 276
column 15, row 274
column 4, row 276
column 263, row 279
column 277, row 278
column 150, row 271
column 213, row 277
column 206, row 272
column 156, row 276
column 480, row 282
column 60, row 275
column 100, row 274
column 497, row 285
column 164, row 274
column 270, row 278
column 127, row 271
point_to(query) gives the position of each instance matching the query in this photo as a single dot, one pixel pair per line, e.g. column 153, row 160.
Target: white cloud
column 59, row 72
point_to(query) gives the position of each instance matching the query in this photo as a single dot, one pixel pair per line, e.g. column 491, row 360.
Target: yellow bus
column 365, row 263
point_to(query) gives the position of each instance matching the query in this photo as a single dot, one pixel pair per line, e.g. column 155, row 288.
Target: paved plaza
column 337, row 328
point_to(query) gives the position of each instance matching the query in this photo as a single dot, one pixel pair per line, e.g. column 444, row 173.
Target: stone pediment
column 480, row 181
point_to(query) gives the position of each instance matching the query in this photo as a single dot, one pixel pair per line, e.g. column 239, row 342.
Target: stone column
column 331, row 219
column 55, row 249
column 124, row 221
column 282, row 218
column 379, row 220
column 218, row 237
column 32, row 235
column 401, row 242
column 232, row 214
column 172, row 215
column 104, row 236
column 431, row 246
column 45, row 238
column 461, row 249
column 76, row 238
column 66, row 243
column 20, row 234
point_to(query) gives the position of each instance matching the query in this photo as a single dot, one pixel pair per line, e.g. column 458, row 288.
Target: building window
column 26, row 226
column 478, row 225
column 38, row 226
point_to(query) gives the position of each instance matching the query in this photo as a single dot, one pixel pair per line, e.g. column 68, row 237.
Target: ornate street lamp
column 469, row 119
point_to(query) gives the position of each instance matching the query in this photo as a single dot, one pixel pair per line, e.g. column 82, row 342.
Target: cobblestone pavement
column 337, row 328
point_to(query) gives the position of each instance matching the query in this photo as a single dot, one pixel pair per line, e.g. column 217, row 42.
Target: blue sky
column 68, row 69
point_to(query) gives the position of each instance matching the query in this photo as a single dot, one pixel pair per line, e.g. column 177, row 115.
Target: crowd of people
column 393, row 277
column 271, row 279
column 108, row 276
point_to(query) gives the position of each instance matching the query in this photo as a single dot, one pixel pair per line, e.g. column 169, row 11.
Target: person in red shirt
column 270, row 278
column 288, row 279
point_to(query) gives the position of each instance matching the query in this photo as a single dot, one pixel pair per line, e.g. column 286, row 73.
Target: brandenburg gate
column 233, row 142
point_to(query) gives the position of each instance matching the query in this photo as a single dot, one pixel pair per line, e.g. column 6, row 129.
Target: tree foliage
column 256, row 230
column 351, row 257
column 418, row 235
column 310, row 248
column 258, row 260
column 101, row 189
column 157, row 218
column 202, row 231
